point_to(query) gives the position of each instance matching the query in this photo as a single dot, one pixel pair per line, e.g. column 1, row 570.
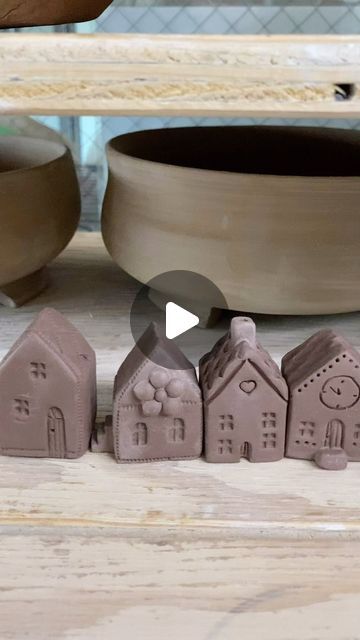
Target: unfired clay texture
column 39, row 207
column 323, row 375
column 48, row 391
column 245, row 399
column 258, row 207
column 48, row 399
column 157, row 413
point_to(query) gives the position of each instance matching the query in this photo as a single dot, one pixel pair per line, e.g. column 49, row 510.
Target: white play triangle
column 178, row 320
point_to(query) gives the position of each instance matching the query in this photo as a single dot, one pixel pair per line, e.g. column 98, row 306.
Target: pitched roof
column 152, row 346
column 54, row 330
column 230, row 354
column 317, row 351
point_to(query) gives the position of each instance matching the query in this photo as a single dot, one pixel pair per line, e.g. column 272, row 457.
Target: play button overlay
column 181, row 304
column 178, row 320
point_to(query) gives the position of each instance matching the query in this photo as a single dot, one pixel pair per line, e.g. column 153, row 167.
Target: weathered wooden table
column 95, row 550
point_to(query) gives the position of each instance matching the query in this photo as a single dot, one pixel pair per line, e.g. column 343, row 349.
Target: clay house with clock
column 48, row 391
column 157, row 411
column 323, row 375
column 245, row 399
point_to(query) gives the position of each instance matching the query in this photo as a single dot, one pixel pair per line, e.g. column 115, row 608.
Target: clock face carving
column 340, row 392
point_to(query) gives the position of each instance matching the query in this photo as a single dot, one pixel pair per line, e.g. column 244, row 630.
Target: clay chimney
column 243, row 329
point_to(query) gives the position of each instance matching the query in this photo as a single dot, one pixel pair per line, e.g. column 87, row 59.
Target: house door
column 245, row 450
column 334, row 434
column 56, row 433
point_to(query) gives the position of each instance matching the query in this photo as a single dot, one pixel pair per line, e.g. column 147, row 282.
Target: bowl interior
column 18, row 153
column 287, row 151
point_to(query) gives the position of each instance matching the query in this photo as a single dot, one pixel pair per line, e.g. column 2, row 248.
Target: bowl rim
column 60, row 150
column 318, row 131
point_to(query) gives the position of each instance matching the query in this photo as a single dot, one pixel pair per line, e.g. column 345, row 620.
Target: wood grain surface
column 178, row 74
column 92, row 550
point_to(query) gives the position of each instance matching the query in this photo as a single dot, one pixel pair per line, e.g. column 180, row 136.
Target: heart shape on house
column 248, row 386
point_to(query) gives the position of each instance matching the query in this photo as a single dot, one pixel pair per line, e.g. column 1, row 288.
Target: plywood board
column 259, row 76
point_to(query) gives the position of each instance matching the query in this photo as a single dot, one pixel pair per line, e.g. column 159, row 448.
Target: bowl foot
column 20, row 291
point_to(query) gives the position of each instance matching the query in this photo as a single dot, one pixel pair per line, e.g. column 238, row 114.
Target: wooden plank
column 289, row 499
column 151, row 585
column 177, row 75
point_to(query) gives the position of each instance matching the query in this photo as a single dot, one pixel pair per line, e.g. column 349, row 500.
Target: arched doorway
column 334, row 434
column 56, row 433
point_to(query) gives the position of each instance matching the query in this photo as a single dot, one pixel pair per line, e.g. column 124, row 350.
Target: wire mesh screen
column 88, row 135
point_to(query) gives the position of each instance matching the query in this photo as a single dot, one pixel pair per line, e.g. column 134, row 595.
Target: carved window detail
column 306, row 433
column 269, row 420
column 176, row 432
column 21, row 408
column 226, row 422
column 269, row 430
column 140, row 434
column 225, row 446
column 269, row 440
column 356, row 436
column 38, row 370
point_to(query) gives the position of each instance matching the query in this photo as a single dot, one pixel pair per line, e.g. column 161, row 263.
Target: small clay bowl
column 270, row 214
column 34, row 13
column 39, row 211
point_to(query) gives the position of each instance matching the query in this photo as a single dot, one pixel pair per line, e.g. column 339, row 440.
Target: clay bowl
column 33, row 12
column 270, row 214
column 39, row 208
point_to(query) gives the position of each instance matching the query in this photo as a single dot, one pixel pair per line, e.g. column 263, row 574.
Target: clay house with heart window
column 157, row 411
column 48, row 391
column 245, row 399
column 323, row 375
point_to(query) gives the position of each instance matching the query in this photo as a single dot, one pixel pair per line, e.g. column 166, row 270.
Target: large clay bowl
column 39, row 204
column 270, row 214
column 29, row 13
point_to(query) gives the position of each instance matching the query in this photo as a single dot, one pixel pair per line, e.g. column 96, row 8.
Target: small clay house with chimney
column 157, row 412
column 48, row 391
column 323, row 375
column 245, row 399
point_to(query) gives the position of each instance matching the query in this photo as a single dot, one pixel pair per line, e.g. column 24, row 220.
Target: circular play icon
column 170, row 312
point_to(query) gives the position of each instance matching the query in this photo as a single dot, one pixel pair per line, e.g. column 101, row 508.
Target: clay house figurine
column 323, row 375
column 157, row 411
column 48, row 391
column 245, row 399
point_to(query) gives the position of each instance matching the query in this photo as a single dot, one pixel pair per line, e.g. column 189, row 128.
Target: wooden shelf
column 257, row 76
column 91, row 549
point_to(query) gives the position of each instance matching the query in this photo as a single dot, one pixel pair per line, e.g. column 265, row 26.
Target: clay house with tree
column 157, row 411
column 245, row 399
column 48, row 391
column 323, row 375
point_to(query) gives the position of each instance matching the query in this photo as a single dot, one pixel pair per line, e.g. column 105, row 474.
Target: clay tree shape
column 157, row 410
column 333, row 456
column 246, row 229
column 39, row 213
column 323, row 420
column 32, row 13
column 245, row 399
column 48, row 391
